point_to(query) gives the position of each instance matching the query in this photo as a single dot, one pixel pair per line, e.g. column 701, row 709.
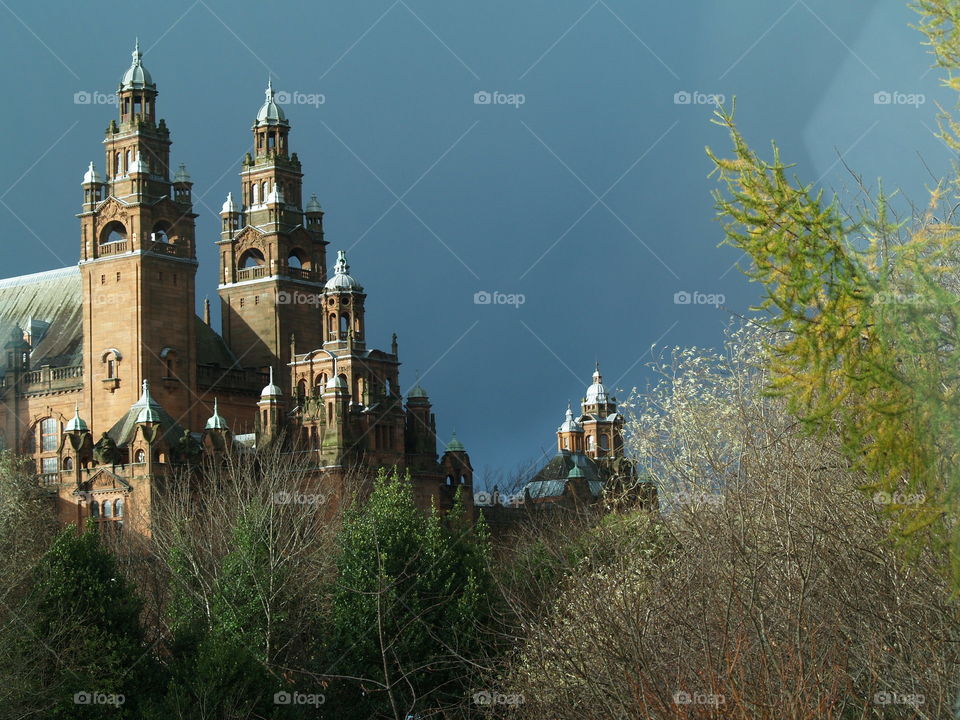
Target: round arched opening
column 113, row 232
column 251, row 258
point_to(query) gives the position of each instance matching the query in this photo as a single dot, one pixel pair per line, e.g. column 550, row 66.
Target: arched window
column 140, row 456
column 332, row 324
column 302, row 389
column 604, row 442
column 118, row 508
column 49, row 435
column 254, row 194
column 589, row 442
column 298, row 259
column 161, row 232
column 344, row 325
column 111, row 361
column 68, row 463
column 107, row 509
column 169, row 358
column 113, row 232
column 251, row 258
column 129, row 162
column 321, row 383
column 116, row 164
column 94, row 509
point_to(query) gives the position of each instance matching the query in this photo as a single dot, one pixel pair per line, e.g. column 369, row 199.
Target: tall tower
column 272, row 253
column 138, row 264
column 602, row 425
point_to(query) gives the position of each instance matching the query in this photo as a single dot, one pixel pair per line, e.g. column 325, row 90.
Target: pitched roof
column 48, row 306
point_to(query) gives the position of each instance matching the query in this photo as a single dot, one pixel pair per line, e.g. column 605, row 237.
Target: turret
column 344, row 305
column 94, row 188
column 182, row 186
column 231, row 218
column 570, row 434
column 270, row 409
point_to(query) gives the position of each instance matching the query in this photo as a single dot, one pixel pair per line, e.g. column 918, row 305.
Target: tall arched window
column 49, row 435
column 94, row 509
column 604, row 443
column 107, row 509
column 118, row 508
column 344, row 325
column 589, row 442
column 254, row 194
column 68, row 463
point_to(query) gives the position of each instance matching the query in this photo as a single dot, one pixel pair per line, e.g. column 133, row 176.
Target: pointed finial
column 216, row 408
column 136, row 52
column 269, row 91
column 271, row 374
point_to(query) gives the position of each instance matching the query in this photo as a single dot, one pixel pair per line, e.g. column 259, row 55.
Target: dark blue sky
column 591, row 198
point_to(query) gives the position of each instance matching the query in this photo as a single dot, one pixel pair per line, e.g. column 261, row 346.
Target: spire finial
column 136, row 52
column 341, row 267
column 271, row 374
column 269, row 92
column 215, row 405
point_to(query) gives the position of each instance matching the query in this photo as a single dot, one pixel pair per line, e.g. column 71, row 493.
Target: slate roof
column 47, row 304
column 552, row 477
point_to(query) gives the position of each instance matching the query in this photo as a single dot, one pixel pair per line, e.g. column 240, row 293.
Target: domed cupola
column 136, row 77
column 271, row 389
column 270, row 112
column 596, row 393
column 91, row 176
column 569, row 424
column 76, row 423
column 342, row 280
column 417, row 392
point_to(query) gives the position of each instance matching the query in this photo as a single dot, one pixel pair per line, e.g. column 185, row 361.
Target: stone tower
column 272, row 253
column 601, row 424
column 137, row 264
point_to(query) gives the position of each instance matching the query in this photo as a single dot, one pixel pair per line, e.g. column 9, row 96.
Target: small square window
column 118, row 277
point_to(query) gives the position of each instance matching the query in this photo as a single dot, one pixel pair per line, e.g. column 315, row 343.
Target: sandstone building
column 112, row 380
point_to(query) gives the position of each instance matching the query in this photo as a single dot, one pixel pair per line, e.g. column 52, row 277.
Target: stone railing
column 53, row 378
column 113, row 248
column 252, row 273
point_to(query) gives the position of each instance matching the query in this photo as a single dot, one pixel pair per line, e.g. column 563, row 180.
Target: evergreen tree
column 84, row 636
column 408, row 608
